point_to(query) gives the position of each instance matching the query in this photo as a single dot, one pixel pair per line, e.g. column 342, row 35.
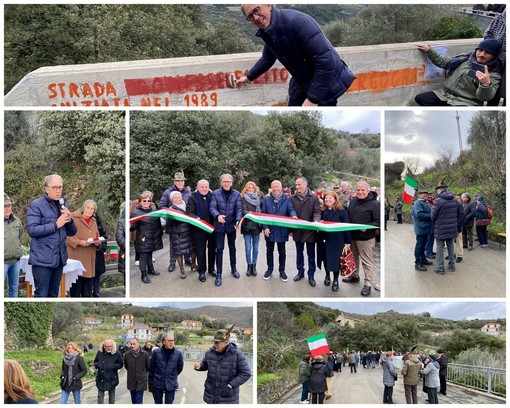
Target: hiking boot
column 459, row 259
column 440, row 271
column 351, row 279
column 283, row 277
column 268, row 274
column 419, row 267
column 366, row 290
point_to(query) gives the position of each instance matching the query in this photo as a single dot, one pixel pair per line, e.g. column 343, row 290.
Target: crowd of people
column 315, row 374
column 148, row 367
column 57, row 234
column 225, row 207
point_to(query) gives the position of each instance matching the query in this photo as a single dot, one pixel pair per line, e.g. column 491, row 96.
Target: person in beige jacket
column 411, row 374
column 83, row 249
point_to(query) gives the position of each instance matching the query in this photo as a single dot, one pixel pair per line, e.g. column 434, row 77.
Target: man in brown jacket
column 411, row 374
column 308, row 208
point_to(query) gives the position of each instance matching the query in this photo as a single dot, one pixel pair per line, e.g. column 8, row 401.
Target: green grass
column 264, row 379
column 45, row 384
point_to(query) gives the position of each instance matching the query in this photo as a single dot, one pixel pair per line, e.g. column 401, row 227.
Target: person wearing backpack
column 318, row 384
column 482, row 220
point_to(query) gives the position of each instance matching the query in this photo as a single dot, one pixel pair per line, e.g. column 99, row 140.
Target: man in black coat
column 443, row 370
column 469, row 219
column 108, row 362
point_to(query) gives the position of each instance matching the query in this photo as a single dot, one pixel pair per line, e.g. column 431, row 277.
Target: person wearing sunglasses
column 319, row 75
column 148, row 235
column 49, row 223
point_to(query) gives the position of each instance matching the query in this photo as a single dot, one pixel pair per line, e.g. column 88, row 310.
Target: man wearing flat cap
column 422, row 221
column 165, row 202
column 447, row 217
column 227, row 369
column 471, row 79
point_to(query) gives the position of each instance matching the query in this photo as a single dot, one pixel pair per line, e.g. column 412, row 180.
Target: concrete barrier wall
column 387, row 75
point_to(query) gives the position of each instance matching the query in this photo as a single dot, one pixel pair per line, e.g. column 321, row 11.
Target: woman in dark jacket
column 331, row 244
column 108, row 362
column 148, row 234
column 100, row 263
column 317, row 382
column 481, row 219
column 120, row 237
column 180, row 232
column 73, row 369
column 250, row 197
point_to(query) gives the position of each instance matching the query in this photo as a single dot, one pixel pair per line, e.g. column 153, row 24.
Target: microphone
column 62, row 203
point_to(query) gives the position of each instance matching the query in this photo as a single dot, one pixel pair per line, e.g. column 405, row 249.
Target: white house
column 127, row 320
column 140, row 331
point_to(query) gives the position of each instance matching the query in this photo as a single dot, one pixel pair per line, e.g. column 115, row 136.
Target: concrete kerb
column 387, row 74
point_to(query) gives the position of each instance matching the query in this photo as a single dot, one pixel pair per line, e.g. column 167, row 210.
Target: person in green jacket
column 305, row 370
column 13, row 230
column 471, row 78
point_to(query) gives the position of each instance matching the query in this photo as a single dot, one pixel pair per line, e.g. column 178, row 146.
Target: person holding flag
column 422, row 221
column 409, row 189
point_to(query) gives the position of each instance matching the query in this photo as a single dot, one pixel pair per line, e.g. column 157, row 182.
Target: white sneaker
column 137, row 263
column 153, row 260
column 305, row 402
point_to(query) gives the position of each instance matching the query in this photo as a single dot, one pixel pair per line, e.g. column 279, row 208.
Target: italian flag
column 318, row 345
column 290, row 222
column 177, row 215
column 409, row 190
column 114, row 252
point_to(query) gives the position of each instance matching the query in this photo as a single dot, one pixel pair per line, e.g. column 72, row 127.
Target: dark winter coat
column 366, row 211
column 120, row 237
column 309, row 210
column 481, row 211
column 296, row 40
column 249, row 226
column 446, row 216
column 469, row 213
column 443, row 365
column 137, row 368
column 317, row 382
column 228, row 367
column 305, row 370
column 231, row 207
column 284, row 207
column 165, row 201
column 165, row 367
column 331, row 244
column 422, row 218
column 148, row 231
column 180, row 234
column 108, row 366
column 79, row 371
column 48, row 247
column 202, row 211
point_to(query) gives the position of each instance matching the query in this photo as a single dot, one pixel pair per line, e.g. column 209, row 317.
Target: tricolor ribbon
column 177, row 215
column 290, row 222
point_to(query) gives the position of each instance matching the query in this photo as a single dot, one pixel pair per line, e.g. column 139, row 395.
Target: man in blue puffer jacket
column 319, row 75
column 422, row 222
column 166, row 364
column 49, row 222
column 227, row 369
column 447, row 217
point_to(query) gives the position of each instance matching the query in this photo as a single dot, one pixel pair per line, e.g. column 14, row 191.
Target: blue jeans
column 440, row 253
column 65, row 396
column 419, row 249
column 300, row 258
column 136, row 397
column 158, row 396
column 304, row 391
column 481, row 232
column 220, row 246
column 251, row 247
column 46, row 281
column 429, row 246
column 11, row 272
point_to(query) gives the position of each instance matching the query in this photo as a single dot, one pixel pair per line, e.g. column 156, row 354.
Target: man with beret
column 447, row 217
column 165, row 202
column 422, row 225
column 227, row 369
column 471, row 78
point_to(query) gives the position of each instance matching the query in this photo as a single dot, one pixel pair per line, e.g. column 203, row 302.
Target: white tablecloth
column 72, row 270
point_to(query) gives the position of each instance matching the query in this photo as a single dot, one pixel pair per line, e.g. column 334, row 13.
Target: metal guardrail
column 487, row 379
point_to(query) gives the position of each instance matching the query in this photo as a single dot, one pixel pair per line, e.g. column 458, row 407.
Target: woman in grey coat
column 431, row 373
column 389, row 376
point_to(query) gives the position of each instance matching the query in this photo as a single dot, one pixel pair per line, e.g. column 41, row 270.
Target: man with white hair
column 108, row 362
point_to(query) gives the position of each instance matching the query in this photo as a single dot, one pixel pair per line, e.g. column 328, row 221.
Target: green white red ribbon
column 177, row 215
column 290, row 222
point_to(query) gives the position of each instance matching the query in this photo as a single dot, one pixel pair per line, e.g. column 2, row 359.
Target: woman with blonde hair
column 251, row 200
column 73, row 370
column 331, row 244
column 17, row 389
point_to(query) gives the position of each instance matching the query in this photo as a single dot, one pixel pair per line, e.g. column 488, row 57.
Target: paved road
column 170, row 284
column 480, row 274
column 191, row 389
column 366, row 387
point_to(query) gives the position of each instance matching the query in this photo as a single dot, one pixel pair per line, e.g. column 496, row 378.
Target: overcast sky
column 422, row 133
column 446, row 310
column 349, row 120
column 191, row 305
